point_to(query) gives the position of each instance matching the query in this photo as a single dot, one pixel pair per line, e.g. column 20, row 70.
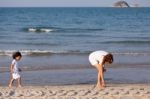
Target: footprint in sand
column 1, row 94
column 147, row 92
column 81, row 92
column 84, row 92
column 93, row 93
column 18, row 94
column 114, row 93
column 71, row 93
column 125, row 92
column 5, row 94
column 141, row 89
column 61, row 93
column 121, row 89
column 111, row 89
column 39, row 93
column 93, row 98
column 87, row 92
column 29, row 94
column 132, row 89
column 134, row 92
column 104, row 92
column 51, row 93
column 11, row 93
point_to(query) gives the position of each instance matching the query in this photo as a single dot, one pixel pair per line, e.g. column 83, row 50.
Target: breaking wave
column 55, row 29
column 50, row 52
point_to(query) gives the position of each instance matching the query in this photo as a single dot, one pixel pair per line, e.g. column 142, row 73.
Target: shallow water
column 80, row 76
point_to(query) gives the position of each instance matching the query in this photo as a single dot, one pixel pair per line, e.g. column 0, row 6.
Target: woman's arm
column 103, row 63
column 101, row 72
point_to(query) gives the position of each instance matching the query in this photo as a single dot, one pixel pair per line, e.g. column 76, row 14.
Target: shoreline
column 60, row 61
column 80, row 76
column 112, row 91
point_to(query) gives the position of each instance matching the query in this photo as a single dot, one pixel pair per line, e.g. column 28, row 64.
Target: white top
column 15, row 69
column 97, row 57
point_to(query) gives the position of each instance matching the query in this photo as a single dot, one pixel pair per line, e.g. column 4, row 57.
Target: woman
column 98, row 59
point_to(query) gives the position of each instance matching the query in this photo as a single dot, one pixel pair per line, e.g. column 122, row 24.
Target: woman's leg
column 100, row 78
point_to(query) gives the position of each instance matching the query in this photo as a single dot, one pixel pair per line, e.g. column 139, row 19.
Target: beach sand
column 112, row 91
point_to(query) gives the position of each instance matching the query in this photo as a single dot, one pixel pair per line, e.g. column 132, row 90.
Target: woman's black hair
column 109, row 58
column 16, row 54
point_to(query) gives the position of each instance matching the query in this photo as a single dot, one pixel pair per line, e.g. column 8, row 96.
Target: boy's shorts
column 16, row 75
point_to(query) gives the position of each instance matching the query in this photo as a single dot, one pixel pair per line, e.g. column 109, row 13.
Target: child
column 15, row 70
column 98, row 59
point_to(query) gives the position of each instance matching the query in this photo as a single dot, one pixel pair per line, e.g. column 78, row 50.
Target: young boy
column 98, row 59
column 15, row 70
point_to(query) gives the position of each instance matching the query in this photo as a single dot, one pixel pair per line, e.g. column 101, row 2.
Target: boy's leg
column 10, row 82
column 19, row 82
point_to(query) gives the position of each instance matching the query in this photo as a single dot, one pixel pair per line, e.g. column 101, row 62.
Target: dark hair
column 109, row 58
column 16, row 54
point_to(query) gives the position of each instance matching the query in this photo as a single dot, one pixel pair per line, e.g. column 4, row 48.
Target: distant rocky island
column 121, row 4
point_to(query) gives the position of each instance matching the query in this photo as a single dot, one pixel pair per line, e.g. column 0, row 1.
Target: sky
column 68, row 3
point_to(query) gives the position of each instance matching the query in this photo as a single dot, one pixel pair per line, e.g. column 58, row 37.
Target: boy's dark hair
column 16, row 54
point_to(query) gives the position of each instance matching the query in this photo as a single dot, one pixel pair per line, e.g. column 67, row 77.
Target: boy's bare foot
column 10, row 86
column 20, row 86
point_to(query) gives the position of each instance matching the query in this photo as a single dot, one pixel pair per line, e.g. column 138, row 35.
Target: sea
column 55, row 43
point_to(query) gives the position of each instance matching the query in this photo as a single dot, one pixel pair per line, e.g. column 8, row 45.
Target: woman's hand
column 104, row 69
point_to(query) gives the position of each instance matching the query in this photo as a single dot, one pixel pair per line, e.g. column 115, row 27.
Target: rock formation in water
column 121, row 4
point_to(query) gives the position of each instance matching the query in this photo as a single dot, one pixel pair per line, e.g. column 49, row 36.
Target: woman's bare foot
column 103, row 84
column 104, row 69
column 99, row 87
column 19, row 86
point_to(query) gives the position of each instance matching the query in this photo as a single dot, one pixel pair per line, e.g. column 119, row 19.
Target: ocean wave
column 57, row 29
column 129, row 42
column 50, row 52
column 133, row 53
column 35, row 52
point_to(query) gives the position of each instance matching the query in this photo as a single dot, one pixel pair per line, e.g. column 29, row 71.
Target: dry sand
column 112, row 91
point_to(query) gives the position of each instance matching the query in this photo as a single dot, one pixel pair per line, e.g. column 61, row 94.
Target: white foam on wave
column 48, row 52
column 6, row 52
column 29, row 52
column 32, row 30
column 133, row 53
column 40, row 30
column 46, row 30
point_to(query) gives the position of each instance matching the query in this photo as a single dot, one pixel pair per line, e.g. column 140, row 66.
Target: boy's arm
column 11, row 68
